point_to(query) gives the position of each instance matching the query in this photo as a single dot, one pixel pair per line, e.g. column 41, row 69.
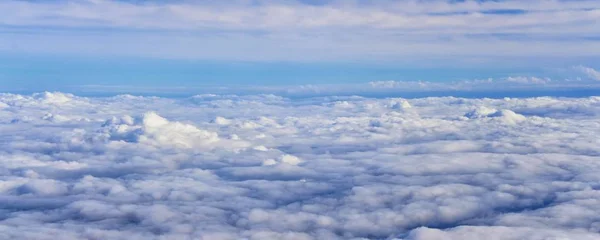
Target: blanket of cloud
column 270, row 167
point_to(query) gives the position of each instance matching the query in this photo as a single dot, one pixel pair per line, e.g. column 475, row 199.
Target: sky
column 73, row 44
column 299, row 120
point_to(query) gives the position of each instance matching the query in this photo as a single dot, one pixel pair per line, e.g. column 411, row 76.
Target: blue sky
column 63, row 43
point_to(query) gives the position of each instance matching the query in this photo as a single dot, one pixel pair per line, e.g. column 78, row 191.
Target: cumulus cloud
column 505, row 115
column 156, row 130
column 270, row 167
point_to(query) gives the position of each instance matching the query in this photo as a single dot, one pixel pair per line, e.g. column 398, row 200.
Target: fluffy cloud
column 155, row 130
column 269, row 167
column 506, row 116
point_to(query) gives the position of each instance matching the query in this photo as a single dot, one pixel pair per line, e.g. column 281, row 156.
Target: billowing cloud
column 269, row 167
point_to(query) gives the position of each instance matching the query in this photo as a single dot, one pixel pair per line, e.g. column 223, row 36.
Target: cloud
column 414, row 16
column 155, row 130
column 510, row 85
column 469, row 31
column 506, row 116
column 528, row 80
column 589, row 72
column 269, row 167
column 473, row 232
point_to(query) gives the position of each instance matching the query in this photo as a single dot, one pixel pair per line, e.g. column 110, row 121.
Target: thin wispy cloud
column 413, row 16
column 301, row 30
column 589, row 72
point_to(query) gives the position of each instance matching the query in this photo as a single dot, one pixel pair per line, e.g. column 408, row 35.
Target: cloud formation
column 589, row 72
column 305, row 30
column 269, row 167
column 578, row 85
column 413, row 16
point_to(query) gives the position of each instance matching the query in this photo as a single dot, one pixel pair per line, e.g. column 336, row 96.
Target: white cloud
column 528, row 80
column 589, row 72
column 414, row 16
column 293, row 31
column 309, row 168
column 504, row 115
column 156, row 130
column 514, row 84
column 497, row 233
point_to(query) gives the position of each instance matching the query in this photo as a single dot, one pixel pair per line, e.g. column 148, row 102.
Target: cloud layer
column 412, row 16
column 581, row 83
column 305, row 30
column 268, row 167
